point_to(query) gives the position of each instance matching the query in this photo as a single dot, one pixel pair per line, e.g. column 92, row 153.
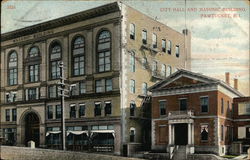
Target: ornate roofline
column 73, row 18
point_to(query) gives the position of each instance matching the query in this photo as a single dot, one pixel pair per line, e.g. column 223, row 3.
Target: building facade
column 195, row 111
column 106, row 51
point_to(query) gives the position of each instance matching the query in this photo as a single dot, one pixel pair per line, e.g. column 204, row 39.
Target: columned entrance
column 32, row 128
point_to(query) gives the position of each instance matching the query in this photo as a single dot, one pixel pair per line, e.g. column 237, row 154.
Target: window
column 183, row 104
column 228, row 106
column 78, row 56
column 144, row 36
column 162, row 106
column 50, row 112
column 244, row 108
column 177, row 51
column 204, row 132
column 13, row 114
column 82, row 87
column 11, row 97
column 163, row 70
column 55, row 58
column 247, row 132
column 144, row 62
column 169, row 46
column 132, row 31
column 7, row 114
column 72, row 111
column 98, row 109
column 53, row 93
column 222, row 133
column 75, row 89
column 154, row 40
column 154, row 66
column 107, row 108
column 132, row 108
column 132, row 86
column 204, row 104
column 81, row 110
column 132, row 62
column 163, row 44
column 108, row 85
column 34, row 73
column 58, row 111
column 104, row 51
column 169, row 70
column 132, row 134
column 32, row 94
column 12, row 68
column 144, row 88
column 103, row 85
column 222, row 105
column 33, row 52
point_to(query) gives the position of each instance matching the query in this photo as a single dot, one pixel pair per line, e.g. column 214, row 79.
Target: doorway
column 181, row 134
column 32, row 129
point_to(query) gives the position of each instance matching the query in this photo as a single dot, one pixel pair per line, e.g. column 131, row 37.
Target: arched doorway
column 32, row 128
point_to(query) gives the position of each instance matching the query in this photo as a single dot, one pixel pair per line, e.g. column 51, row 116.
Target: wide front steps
column 180, row 153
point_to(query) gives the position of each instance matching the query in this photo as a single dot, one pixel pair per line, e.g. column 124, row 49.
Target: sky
column 219, row 44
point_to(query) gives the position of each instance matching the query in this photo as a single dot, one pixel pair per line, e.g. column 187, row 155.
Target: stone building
column 111, row 54
column 193, row 111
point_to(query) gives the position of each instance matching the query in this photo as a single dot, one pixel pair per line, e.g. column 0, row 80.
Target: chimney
column 235, row 83
column 227, row 76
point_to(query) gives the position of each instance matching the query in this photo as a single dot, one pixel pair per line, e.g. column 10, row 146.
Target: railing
column 76, row 147
column 173, row 150
column 186, row 113
column 103, row 148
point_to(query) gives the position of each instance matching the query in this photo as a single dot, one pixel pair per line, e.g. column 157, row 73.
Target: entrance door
column 181, row 134
column 32, row 129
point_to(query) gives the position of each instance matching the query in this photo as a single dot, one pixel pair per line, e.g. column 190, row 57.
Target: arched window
column 78, row 56
column 33, row 52
column 34, row 68
column 12, row 67
column 132, row 134
column 163, row 70
column 104, row 51
column 55, row 58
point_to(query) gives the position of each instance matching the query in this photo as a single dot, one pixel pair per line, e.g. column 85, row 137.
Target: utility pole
column 62, row 94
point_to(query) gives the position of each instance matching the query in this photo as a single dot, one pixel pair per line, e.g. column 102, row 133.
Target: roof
column 185, row 73
column 73, row 18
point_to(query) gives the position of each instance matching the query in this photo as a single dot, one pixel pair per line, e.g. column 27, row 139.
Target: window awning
column 102, row 131
column 52, row 132
column 77, row 132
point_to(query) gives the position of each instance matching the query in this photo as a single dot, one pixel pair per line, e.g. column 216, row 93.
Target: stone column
column 42, row 135
column 189, row 134
column 192, row 134
column 170, row 134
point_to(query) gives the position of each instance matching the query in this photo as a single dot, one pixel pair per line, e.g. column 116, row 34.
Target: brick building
column 106, row 51
column 195, row 111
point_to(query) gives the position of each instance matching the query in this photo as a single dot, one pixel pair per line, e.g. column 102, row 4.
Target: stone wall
column 204, row 157
column 24, row 153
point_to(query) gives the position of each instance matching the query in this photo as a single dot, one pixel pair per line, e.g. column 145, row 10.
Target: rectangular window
column 204, row 104
column 162, row 106
column 58, row 111
column 163, row 44
column 132, row 31
column 82, row 87
column 104, row 63
column 132, row 135
column 78, row 65
column 169, row 47
column 244, row 108
column 183, row 104
column 108, row 108
column 72, row 111
column 81, row 110
column 132, row 109
column 108, row 85
column 154, row 40
column 98, row 109
column 13, row 114
column 144, row 88
column 99, row 86
column 154, row 66
column 50, row 112
column 132, row 62
column 204, row 132
column 33, row 94
column 144, row 62
column 222, row 133
column 13, row 76
column 10, row 97
column 132, row 86
column 34, row 73
column 163, row 70
column 7, row 115
column 53, row 91
column 177, row 51
column 55, row 70
column 144, row 36
column 222, row 105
